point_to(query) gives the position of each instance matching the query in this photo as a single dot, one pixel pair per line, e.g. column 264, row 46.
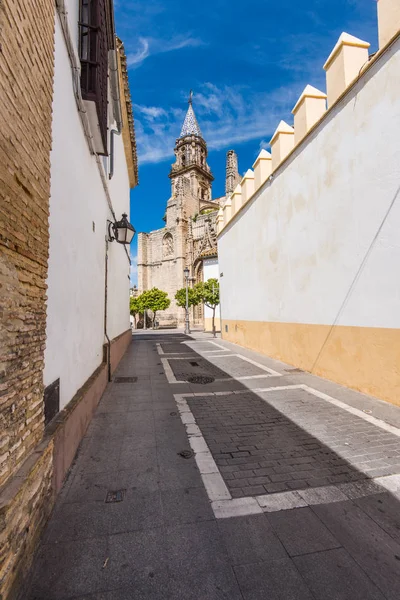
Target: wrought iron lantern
column 122, row 231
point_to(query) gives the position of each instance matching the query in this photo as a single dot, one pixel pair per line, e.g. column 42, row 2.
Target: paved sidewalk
column 261, row 482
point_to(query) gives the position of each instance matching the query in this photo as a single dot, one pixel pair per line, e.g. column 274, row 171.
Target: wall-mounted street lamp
column 122, row 231
column 187, row 327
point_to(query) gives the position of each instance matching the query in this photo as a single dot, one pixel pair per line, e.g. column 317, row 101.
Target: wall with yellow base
column 311, row 262
column 208, row 324
column 366, row 359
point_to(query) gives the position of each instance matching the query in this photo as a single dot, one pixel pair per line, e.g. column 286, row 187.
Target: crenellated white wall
column 78, row 229
column 312, row 248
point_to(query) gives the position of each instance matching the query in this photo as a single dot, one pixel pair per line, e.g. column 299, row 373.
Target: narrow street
column 210, row 472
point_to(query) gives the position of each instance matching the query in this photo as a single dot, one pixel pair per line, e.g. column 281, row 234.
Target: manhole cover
column 194, row 363
column 125, row 379
column 185, row 453
column 116, row 496
column 202, row 379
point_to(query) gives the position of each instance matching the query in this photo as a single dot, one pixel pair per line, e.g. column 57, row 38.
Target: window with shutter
column 96, row 39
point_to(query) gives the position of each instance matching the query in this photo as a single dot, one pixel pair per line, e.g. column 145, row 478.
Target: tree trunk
column 213, row 321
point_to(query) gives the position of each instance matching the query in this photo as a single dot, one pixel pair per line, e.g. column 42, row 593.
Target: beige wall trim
column 366, row 359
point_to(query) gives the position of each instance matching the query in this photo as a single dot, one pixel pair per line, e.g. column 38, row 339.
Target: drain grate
column 116, row 496
column 294, row 370
column 201, row 379
column 193, row 363
column 125, row 379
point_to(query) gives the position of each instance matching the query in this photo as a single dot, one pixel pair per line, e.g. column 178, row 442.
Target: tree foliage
column 193, row 297
column 135, row 306
column 154, row 300
column 208, row 292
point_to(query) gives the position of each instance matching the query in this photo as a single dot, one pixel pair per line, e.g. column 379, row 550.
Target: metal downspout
column 105, row 313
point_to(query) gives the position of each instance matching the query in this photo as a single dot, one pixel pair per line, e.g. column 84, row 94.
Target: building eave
column 128, row 128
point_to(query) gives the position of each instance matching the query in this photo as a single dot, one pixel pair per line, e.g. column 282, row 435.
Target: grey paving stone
column 174, row 440
column 178, row 476
column 371, row 547
column 252, row 490
column 384, row 510
column 275, row 580
column 195, row 547
column 137, row 458
column 101, row 456
column 90, row 487
column 132, row 445
column 69, row 569
column 215, row 583
column 334, row 574
column 154, row 587
column 134, row 558
column 143, row 479
column 250, row 539
column 186, row 505
column 85, row 520
column 301, row 532
column 138, row 437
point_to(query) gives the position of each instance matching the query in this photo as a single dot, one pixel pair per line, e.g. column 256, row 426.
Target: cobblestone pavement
column 290, row 489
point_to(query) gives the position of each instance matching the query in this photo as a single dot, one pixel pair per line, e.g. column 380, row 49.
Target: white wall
column 118, row 265
column 211, row 271
column 76, row 274
column 296, row 249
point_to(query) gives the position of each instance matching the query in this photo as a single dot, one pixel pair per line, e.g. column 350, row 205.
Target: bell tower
column 190, row 175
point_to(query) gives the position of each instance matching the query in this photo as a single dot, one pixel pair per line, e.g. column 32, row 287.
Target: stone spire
column 232, row 174
column 190, row 125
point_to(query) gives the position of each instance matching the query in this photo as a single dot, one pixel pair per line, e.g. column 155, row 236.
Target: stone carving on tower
column 189, row 236
column 232, row 175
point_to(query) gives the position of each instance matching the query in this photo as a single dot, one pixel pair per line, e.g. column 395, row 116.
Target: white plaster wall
column 72, row 7
column 76, row 274
column 294, row 253
column 211, row 271
column 118, row 262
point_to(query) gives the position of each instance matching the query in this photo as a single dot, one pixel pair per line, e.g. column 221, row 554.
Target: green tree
column 193, row 297
column 154, row 300
column 135, row 307
column 208, row 293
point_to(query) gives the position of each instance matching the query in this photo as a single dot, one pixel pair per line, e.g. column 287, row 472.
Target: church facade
column 189, row 236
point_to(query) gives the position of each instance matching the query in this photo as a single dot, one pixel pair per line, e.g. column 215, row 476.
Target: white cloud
column 149, row 46
column 228, row 115
column 141, row 53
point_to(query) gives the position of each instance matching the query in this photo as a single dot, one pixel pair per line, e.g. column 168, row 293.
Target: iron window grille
column 96, row 38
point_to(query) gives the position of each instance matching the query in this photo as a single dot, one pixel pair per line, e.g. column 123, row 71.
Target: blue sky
column 247, row 63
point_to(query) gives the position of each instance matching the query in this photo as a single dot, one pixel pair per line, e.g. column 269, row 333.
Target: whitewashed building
column 93, row 168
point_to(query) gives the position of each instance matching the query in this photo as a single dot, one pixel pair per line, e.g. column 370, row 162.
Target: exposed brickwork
column 26, row 81
column 24, row 509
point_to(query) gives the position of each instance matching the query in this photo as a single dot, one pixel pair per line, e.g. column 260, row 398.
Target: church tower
column 188, row 239
column 190, row 175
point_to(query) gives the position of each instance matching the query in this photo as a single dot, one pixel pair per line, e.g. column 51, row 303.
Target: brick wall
column 26, row 78
column 26, row 82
